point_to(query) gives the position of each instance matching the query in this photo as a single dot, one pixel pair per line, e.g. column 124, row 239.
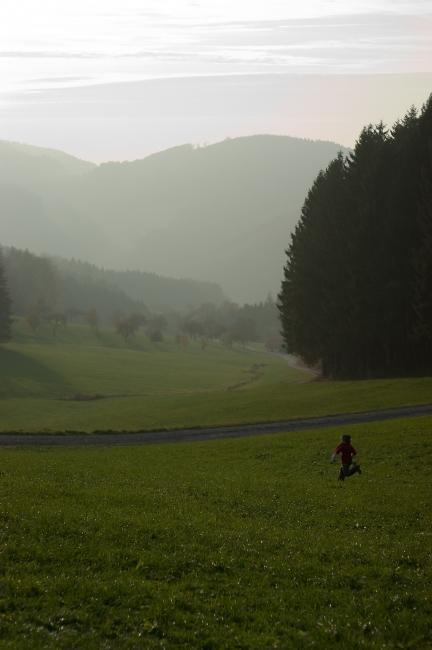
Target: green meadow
column 46, row 384
column 248, row 543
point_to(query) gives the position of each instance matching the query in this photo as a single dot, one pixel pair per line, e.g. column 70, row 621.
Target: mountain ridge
column 221, row 213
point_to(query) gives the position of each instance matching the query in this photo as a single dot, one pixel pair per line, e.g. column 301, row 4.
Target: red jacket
column 347, row 451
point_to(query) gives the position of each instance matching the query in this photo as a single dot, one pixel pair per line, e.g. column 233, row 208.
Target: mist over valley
column 221, row 213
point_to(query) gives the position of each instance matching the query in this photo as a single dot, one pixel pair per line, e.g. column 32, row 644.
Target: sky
column 118, row 79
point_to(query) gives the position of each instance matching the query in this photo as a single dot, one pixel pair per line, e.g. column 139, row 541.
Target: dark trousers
column 347, row 470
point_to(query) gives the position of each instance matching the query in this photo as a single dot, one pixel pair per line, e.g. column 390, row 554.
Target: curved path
column 210, row 433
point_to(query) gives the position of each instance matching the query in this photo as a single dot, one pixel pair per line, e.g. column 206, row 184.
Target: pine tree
column 357, row 288
column 312, row 299
column 366, row 184
column 5, row 307
column 423, row 254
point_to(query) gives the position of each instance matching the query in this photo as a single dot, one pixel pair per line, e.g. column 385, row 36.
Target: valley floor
column 78, row 381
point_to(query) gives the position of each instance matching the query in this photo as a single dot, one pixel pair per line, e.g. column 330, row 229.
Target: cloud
column 335, row 20
column 57, row 80
column 41, row 54
column 142, row 49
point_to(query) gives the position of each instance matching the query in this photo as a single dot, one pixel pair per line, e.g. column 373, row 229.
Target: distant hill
column 33, row 213
column 35, row 166
column 65, row 285
column 220, row 213
column 158, row 293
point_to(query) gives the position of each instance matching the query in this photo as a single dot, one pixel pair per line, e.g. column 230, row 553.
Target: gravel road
column 210, row 433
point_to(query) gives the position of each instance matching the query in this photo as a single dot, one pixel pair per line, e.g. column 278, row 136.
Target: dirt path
column 294, row 362
column 210, row 433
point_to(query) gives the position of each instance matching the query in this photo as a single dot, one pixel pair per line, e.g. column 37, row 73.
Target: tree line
column 232, row 323
column 5, row 306
column 33, row 288
column 38, row 287
column 356, row 296
column 228, row 323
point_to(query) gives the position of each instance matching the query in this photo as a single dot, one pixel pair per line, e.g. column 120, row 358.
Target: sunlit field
column 246, row 543
column 79, row 382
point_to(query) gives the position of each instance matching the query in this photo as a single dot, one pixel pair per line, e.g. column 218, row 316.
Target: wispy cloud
column 41, row 54
column 122, row 41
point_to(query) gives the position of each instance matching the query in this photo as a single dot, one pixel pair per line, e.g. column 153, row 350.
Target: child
column 347, row 452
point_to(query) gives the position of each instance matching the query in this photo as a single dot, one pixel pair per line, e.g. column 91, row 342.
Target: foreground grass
column 149, row 386
column 246, row 543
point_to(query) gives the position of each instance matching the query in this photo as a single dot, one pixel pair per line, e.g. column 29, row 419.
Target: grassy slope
column 157, row 385
column 240, row 543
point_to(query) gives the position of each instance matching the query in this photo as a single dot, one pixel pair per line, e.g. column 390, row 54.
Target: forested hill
column 72, row 286
column 36, row 167
column 220, row 213
column 33, row 213
column 157, row 292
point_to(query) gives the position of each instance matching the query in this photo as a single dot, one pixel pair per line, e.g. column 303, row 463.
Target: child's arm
column 335, row 453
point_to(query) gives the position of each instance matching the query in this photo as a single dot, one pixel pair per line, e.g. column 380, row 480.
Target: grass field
column 246, row 543
column 147, row 386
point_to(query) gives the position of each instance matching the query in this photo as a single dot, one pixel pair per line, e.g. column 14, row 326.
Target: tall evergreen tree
column 366, row 184
column 311, row 291
column 357, row 288
column 423, row 254
column 5, row 307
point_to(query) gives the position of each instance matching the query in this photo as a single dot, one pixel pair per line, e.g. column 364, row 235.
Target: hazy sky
column 78, row 75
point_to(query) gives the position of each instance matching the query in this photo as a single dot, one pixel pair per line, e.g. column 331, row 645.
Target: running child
column 347, row 454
